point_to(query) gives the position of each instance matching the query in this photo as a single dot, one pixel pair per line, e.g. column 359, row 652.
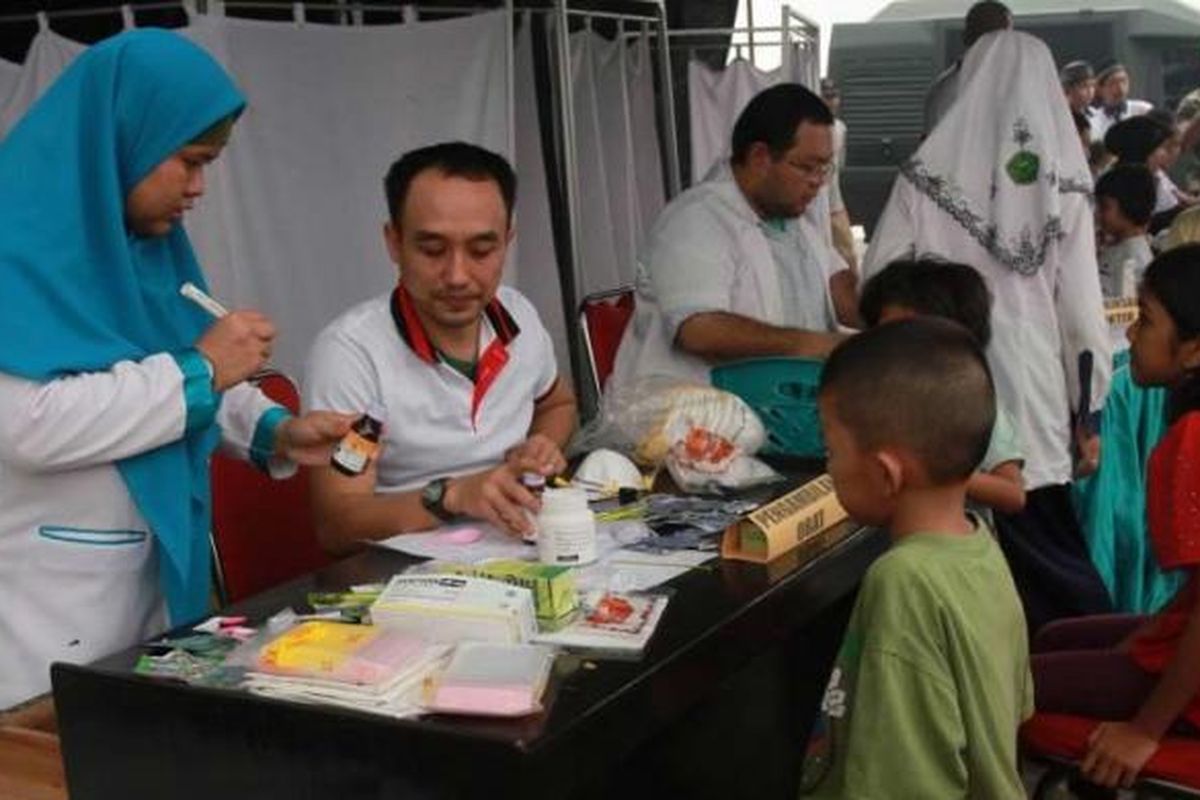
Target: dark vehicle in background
column 884, row 66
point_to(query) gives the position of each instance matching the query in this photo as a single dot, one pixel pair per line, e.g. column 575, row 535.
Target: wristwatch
column 433, row 498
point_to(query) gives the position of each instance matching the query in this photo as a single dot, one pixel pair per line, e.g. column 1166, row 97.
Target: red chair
column 1061, row 741
column 603, row 317
column 262, row 534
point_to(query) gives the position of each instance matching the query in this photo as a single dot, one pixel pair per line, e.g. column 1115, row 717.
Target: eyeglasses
column 818, row 171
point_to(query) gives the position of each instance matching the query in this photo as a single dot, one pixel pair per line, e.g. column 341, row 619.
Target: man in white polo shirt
column 743, row 265
column 463, row 367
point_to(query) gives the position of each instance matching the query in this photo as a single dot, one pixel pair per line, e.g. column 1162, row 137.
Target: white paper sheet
column 443, row 543
column 616, row 568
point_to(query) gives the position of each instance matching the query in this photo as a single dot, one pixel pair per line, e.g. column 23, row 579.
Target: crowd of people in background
column 1066, row 199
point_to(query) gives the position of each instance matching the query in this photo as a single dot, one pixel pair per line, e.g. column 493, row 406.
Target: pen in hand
column 205, row 301
column 194, row 293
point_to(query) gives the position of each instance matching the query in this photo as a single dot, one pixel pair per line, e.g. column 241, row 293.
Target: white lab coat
column 78, row 567
column 708, row 252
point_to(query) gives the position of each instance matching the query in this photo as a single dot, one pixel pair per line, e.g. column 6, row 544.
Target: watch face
column 432, row 496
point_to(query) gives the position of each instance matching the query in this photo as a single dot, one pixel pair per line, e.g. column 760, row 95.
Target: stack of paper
column 620, row 624
column 455, row 608
column 355, row 666
column 499, row 680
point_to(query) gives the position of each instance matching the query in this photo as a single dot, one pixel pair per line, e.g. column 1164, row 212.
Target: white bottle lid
column 565, row 501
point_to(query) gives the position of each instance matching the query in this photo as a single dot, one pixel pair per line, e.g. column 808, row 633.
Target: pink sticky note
column 463, row 536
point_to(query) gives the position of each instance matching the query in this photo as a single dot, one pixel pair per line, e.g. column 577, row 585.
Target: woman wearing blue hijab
column 114, row 389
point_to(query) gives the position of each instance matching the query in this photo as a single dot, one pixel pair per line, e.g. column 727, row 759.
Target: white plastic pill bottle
column 566, row 528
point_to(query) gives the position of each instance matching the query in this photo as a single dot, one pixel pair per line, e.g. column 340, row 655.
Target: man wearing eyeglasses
column 743, row 265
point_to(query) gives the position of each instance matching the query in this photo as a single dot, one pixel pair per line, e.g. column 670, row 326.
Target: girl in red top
column 1144, row 672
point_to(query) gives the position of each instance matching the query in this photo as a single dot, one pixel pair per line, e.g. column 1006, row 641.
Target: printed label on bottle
column 354, row 452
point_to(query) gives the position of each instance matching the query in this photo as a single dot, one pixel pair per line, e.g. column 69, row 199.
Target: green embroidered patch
column 1023, row 167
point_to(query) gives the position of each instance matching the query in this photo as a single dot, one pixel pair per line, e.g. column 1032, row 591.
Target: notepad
column 496, row 680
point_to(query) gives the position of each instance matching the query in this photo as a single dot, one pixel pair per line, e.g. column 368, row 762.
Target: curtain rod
column 287, row 5
column 33, row 16
column 679, row 45
column 264, row 5
column 680, row 33
column 579, row 12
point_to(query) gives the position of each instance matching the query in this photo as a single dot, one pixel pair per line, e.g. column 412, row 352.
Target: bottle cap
column 565, row 501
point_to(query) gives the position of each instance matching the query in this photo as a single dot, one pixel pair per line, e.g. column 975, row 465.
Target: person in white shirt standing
column 1112, row 103
column 461, row 366
column 744, row 265
column 114, row 389
column 1002, row 185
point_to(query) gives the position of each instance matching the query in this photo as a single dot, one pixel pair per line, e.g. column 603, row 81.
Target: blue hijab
column 80, row 291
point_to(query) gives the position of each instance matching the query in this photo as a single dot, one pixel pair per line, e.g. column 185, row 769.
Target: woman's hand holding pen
column 237, row 345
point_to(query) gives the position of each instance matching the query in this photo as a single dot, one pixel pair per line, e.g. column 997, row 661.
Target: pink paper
column 463, row 536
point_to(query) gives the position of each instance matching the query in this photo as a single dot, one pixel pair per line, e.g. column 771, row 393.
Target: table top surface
column 719, row 617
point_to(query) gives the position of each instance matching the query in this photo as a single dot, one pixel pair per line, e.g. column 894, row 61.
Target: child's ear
column 1189, row 353
column 891, row 468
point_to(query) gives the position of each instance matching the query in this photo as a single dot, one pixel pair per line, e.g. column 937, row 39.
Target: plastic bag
column 704, row 436
column 639, row 419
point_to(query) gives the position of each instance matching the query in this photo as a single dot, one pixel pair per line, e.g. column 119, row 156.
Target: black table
column 718, row 706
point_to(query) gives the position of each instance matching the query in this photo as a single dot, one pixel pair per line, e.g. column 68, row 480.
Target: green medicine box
column 553, row 587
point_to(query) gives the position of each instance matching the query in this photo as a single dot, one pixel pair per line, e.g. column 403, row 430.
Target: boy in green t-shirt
column 932, row 679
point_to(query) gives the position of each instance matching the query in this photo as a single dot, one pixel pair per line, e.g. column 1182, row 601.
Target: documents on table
column 617, row 568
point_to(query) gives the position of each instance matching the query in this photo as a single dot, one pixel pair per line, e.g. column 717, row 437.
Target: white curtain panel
column 292, row 221
column 617, row 146
column 716, row 98
column 49, row 54
column 533, row 268
column 10, row 74
column 806, row 66
column 647, row 147
column 609, row 71
column 601, row 266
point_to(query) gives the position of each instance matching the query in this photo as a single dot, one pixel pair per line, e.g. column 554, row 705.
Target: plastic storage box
column 783, row 392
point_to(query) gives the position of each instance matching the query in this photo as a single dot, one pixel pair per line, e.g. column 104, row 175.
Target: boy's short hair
column 455, row 159
column 933, row 288
column 1134, row 139
column 1133, row 188
column 921, row 384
